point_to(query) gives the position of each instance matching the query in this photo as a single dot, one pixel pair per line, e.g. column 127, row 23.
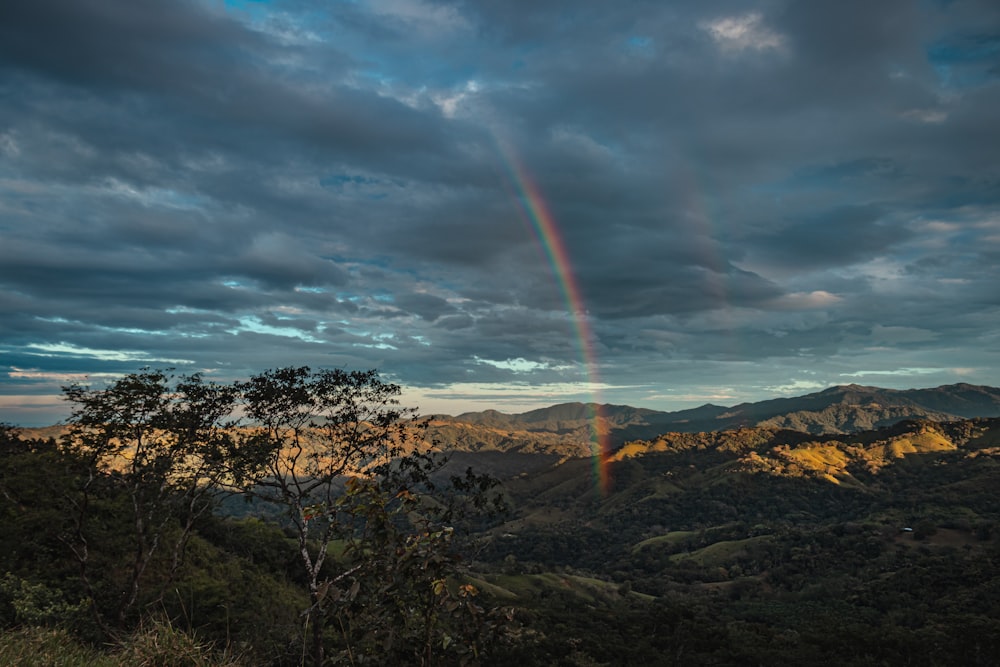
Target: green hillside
column 756, row 545
column 765, row 546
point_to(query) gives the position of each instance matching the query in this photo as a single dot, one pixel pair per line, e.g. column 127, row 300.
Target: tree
column 332, row 448
column 166, row 442
column 405, row 597
column 310, row 430
column 344, row 460
column 38, row 584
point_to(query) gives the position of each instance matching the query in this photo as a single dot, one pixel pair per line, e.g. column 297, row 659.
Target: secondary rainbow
column 543, row 223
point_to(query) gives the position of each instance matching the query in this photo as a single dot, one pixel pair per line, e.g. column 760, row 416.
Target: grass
column 491, row 589
column 918, row 443
column 45, row 647
column 156, row 645
column 672, row 537
column 819, row 457
column 675, row 537
column 160, row 644
column 721, row 553
column 588, row 589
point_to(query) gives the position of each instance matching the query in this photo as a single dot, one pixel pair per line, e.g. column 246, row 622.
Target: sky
column 499, row 203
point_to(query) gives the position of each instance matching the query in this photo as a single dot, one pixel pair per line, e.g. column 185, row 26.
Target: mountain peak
column 852, row 387
column 840, row 409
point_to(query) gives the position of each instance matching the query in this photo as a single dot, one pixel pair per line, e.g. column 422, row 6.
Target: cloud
column 808, row 301
column 898, row 371
column 798, row 387
column 741, row 191
column 69, row 350
column 744, row 32
column 840, row 236
column 424, row 16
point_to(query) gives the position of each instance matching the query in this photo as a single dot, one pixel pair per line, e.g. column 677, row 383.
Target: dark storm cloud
column 211, row 76
column 837, row 237
column 119, row 44
column 785, row 193
column 426, row 306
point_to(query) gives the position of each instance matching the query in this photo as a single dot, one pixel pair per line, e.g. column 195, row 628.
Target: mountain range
column 514, row 443
column 855, row 526
column 567, row 429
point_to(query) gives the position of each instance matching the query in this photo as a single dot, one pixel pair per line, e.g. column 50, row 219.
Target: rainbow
column 546, row 231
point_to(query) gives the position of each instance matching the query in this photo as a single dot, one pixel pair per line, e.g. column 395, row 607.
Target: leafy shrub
column 25, row 603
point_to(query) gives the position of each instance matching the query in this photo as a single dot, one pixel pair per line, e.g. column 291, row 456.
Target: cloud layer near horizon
column 755, row 198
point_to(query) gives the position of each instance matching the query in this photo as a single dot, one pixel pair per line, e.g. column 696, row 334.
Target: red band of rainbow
column 543, row 224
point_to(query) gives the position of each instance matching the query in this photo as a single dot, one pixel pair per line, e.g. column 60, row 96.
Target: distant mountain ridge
column 851, row 408
column 567, row 414
column 836, row 410
column 566, row 430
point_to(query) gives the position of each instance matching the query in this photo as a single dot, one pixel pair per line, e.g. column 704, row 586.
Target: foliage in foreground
column 156, row 644
column 40, row 646
column 129, row 536
column 694, row 557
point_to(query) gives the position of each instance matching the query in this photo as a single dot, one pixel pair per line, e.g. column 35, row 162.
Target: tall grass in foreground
column 156, row 645
column 45, row 647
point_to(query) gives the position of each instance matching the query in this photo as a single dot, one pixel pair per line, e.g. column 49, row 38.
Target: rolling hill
column 567, row 429
column 783, row 532
column 774, row 546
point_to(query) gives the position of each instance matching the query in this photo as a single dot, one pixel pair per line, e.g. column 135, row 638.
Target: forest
column 301, row 518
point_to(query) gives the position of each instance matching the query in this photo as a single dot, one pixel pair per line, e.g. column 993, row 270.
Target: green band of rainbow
column 547, row 232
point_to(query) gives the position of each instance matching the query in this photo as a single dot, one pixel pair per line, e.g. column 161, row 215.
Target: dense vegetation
column 748, row 546
column 762, row 546
column 115, row 535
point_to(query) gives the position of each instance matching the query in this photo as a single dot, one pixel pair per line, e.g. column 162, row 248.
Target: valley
column 754, row 544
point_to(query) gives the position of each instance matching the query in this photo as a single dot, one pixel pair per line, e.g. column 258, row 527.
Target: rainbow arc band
column 547, row 233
